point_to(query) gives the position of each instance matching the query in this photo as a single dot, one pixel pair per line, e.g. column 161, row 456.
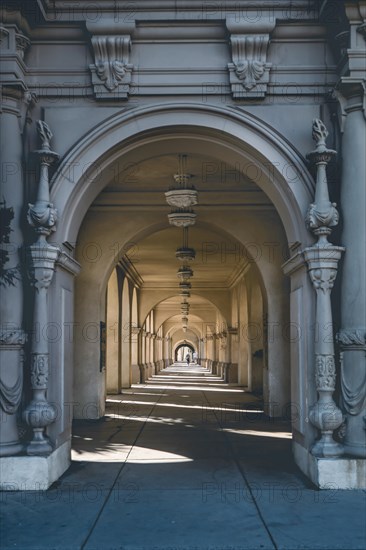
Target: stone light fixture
column 322, row 259
column 42, row 217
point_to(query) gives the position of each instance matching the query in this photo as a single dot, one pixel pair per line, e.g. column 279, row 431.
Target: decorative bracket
column 249, row 70
column 111, row 72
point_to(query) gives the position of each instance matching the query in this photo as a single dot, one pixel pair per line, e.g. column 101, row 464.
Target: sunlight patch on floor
column 203, row 406
column 256, row 433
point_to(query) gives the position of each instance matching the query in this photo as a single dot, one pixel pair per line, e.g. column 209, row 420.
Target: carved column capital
column 323, row 278
column 22, row 44
column 42, row 265
column 111, row 71
column 323, row 264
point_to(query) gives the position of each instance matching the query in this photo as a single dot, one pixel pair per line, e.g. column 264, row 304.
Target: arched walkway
column 242, row 326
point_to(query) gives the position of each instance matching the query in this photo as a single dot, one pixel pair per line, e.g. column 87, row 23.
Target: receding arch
column 179, row 349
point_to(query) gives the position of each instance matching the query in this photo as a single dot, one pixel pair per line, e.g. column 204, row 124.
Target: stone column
column 42, row 217
column 142, row 334
column 322, row 259
column 12, row 335
column 352, row 336
column 154, row 354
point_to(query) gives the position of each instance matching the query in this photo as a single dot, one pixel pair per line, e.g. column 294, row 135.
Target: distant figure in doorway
column 194, row 357
column 188, row 359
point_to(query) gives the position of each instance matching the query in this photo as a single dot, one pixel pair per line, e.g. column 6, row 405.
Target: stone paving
column 183, row 462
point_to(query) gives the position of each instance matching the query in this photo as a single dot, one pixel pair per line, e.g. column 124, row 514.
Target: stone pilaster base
column 135, row 374
column 34, row 473
column 331, row 473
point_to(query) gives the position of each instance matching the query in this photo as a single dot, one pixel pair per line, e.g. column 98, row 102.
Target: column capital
column 323, row 265
column 43, row 259
column 353, row 91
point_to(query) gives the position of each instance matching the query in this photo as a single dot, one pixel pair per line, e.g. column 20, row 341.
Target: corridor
column 183, row 462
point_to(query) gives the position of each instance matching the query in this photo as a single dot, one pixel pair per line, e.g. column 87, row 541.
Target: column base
column 135, row 374
column 355, row 450
column 34, row 473
column 331, row 473
column 39, row 448
column 11, row 449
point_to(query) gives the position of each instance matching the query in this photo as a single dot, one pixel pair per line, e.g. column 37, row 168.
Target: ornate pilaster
column 322, row 259
column 42, row 217
column 111, row 72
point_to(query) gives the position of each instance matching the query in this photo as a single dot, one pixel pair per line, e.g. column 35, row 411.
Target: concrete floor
column 183, row 462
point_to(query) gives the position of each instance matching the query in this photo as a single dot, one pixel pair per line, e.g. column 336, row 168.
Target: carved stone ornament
column 325, row 372
column 39, row 371
column 42, row 265
column 12, row 337
column 22, row 44
column 45, row 134
column 42, row 216
column 352, row 338
column 249, row 70
column 322, row 214
column 323, row 279
column 322, row 259
column 111, row 72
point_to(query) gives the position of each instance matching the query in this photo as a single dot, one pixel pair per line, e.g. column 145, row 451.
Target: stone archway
column 236, row 137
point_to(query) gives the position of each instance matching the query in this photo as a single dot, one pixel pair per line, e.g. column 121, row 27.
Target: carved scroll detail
column 111, row 72
column 249, row 70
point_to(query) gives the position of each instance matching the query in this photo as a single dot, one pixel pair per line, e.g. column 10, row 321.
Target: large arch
column 283, row 173
column 229, row 134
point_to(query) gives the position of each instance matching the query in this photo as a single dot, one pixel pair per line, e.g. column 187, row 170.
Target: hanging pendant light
column 182, row 197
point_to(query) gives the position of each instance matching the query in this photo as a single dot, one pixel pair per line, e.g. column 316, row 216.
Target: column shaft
column 12, row 336
column 352, row 337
